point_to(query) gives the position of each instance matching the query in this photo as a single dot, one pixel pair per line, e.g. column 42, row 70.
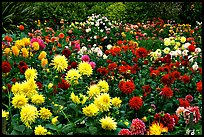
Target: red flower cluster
column 39, row 84
column 63, row 84
column 166, row 92
column 175, row 74
column 199, row 86
column 154, row 73
column 136, row 102
column 6, row 67
column 189, row 98
column 167, row 120
column 126, row 87
column 191, row 48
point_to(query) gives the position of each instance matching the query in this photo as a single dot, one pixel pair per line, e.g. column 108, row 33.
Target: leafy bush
column 116, row 11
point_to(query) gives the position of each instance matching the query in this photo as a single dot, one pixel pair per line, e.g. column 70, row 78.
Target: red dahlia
column 176, row 118
column 185, row 79
column 199, row 86
column 146, row 89
column 126, row 87
column 125, row 132
column 166, row 92
column 183, row 103
column 21, row 64
column 112, row 66
column 39, row 84
column 136, row 103
column 167, row 79
column 6, row 67
column 189, row 98
column 176, row 74
column 141, row 52
column 154, row 73
column 23, row 69
column 191, row 48
column 166, row 119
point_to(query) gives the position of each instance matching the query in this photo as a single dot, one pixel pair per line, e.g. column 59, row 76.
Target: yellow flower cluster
column 19, row 101
column 78, row 99
column 103, row 102
column 5, row 114
column 116, row 102
column 45, row 113
column 37, row 99
column 103, row 85
column 40, row 130
column 156, row 129
column 30, row 73
column 54, row 120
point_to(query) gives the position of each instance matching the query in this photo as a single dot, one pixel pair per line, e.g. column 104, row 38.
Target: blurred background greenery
column 16, row 13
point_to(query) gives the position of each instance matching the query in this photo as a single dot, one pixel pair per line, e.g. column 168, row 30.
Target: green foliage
column 116, row 11
column 14, row 13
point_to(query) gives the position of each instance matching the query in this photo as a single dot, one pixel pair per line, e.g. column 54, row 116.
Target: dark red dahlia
column 136, row 102
column 39, row 84
column 63, row 85
column 146, row 89
column 186, row 79
column 66, row 52
column 176, row 118
column 6, row 67
column 141, row 52
column 21, row 64
column 74, row 64
column 23, row 69
column 127, row 87
column 166, row 119
column 175, row 74
column 154, row 73
column 167, row 79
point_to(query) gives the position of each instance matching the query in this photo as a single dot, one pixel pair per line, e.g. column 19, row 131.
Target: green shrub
column 116, row 11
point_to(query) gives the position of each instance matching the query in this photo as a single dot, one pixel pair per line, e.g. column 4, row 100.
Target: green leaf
column 67, row 128
column 93, row 130
column 28, row 131
column 117, row 131
column 14, row 132
column 51, row 127
column 121, row 124
column 82, row 131
column 19, row 128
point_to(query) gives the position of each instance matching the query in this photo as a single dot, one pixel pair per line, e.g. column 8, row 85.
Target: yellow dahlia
column 19, row 101
column 75, row 98
column 19, row 44
column 16, row 88
column 44, row 62
column 24, row 52
column 35, row 46
column 60, row 63
column 30, row 73
column 85, row 68
column 116, row 102
column 28, row 113
column 42, row 55
column 45, row 113
column 83, row 98
column 103, row 85
column 103, row 102
column 15, row 50
column 5, row 114
column 93, row 90
column 28, row 88
column 72, row 76
column 54, row 120
column 26, row 41
column 108, row 123
column 157, row 129
column 37, row 99
column 183, row 39
column 90, row 110
column 39, row 130
column 7, row 50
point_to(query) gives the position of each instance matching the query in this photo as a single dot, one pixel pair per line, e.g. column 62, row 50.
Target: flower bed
column 103, row 78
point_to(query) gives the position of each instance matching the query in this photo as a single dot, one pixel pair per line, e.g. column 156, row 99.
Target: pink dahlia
column 125, row 132
column 137, row 127
column 85, row 58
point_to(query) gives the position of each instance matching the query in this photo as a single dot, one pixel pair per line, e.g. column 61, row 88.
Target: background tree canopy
column 14, row 13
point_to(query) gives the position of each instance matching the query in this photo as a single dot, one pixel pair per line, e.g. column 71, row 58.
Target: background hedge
column 15, row 13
